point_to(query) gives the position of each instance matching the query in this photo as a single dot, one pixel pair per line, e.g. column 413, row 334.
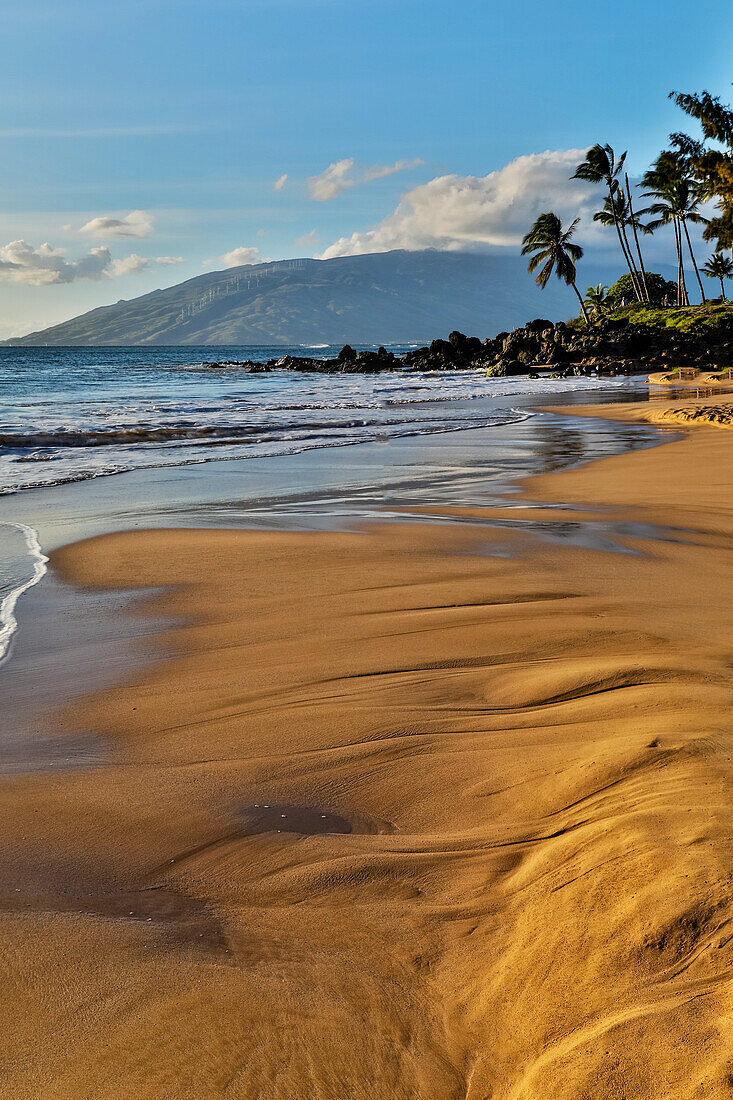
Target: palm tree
column 713, row 166
column 719, row 267
column 600, row 164
column 595, row 297
column 666, row 209
column 687, row 151
column 618, row 210
column 636, row 226
column 549, row 244
column 678, row 202
column 690, row 201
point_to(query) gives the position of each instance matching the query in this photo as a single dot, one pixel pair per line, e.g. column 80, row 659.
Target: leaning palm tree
column 595, row 297
column 718, row 267
column 601, row 165
column 550, row 244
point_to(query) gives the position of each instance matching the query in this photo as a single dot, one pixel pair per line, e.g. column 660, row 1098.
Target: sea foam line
column 8, row 621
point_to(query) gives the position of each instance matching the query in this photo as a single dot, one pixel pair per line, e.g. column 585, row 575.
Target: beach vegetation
column 690, row 183
column 692, row 319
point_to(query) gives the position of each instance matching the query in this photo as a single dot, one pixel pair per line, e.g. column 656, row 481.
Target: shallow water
column 470, row 451
column 72, row 414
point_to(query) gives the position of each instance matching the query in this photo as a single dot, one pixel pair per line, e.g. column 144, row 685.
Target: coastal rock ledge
column 615, row 345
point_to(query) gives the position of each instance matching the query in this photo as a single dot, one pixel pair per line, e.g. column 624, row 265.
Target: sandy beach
column 418, row 812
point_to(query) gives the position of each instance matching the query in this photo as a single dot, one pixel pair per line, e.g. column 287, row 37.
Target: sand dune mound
column 718, row 415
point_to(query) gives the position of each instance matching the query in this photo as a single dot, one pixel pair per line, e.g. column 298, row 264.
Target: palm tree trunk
column 624, row 249
column 722, row 290
column 685, row 294
column 682, row 296
column 582, row 304
column 645, row 288
column 692, row 257
column 630, row 254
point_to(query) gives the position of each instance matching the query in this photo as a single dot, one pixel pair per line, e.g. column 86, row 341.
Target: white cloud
column 130, row 265
column 239, row 256
column 138, row 224
column 455, row 212
column 381, row 171
column 21, row 263
column 332, row 181
column 280, row 183
column 133, row 264
column 343, row 174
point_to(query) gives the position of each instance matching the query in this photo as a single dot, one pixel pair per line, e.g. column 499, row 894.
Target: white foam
column 8, row 621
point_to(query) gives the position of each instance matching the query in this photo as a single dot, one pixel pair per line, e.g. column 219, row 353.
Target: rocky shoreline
column 613, row 346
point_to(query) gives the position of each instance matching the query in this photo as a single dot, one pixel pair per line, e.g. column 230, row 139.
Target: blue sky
column 142, row 140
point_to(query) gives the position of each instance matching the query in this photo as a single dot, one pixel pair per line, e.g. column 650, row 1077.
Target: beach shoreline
column 521, row 753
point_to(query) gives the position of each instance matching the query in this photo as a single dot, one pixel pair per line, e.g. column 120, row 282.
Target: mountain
column 389, row 297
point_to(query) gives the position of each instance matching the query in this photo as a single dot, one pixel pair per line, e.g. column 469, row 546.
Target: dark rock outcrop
column 613, row 346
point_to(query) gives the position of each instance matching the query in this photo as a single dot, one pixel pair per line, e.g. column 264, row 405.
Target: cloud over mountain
column 20, row 262
column 137, row 224
column 458, row 212
column 133, row 264
column 239, row 256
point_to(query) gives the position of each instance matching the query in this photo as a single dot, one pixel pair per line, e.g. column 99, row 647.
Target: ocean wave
column 39, row 561
column 274, row 446
column 75, row 418
column 211, row 434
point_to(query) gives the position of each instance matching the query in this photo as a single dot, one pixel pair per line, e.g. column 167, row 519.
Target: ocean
column 131, row 421
column 70, row 414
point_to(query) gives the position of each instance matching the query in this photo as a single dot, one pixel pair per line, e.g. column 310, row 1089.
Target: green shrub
column 660, row 291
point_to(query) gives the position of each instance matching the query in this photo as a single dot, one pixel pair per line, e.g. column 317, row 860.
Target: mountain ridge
column 387, row 297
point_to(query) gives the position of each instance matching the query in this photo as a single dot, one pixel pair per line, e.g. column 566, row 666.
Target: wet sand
column 521, row 887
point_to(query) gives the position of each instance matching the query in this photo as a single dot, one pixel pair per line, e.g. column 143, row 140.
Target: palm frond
column 536, row 260
column 544, row 276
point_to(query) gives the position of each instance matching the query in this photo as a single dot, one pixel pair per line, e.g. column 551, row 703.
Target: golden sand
column 521, row 887
column 719, row 379
column 719, row 415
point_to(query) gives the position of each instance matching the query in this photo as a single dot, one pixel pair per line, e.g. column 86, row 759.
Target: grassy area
column 684, row 318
